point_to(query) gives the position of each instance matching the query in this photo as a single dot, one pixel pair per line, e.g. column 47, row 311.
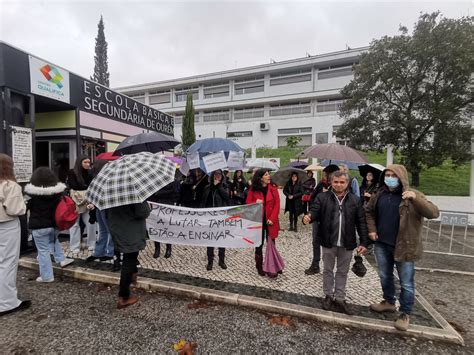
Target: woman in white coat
column 12, row 205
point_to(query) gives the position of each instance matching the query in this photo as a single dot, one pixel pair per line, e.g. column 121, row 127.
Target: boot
column 116, row 266
column 313, row 269
column 209, row 266
column 295, row 229
column 156, row 254
column 134, row 278
column 259, row 264
column 168, row 251
column 222, row 264
column 125, row 302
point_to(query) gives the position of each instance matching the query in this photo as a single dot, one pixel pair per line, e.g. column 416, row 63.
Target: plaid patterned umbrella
column 130, row 179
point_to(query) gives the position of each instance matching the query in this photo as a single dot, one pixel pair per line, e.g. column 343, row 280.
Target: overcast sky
column 150, row 41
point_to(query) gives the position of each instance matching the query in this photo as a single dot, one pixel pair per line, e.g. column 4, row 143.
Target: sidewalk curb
column 446, row 334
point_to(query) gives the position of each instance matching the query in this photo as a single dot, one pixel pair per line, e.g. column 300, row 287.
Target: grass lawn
column 445, row 180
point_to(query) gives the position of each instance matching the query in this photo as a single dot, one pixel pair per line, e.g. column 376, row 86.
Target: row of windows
column 246, row 85
column 320, row 138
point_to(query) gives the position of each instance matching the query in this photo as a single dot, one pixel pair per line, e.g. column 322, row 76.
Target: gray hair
column 340, row 174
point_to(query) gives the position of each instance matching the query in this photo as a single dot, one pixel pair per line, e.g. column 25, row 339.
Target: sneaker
column 327, row 303
column 106, row 258
column 383, row 306
column 125, row 302
column 40, row 279
column 91, row 258
column 312, row 270
column 343, row 307
column 66, row 262
column 402, row 322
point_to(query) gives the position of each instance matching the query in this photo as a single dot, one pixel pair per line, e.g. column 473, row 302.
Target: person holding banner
column 263, row 191
column 216, row 194
column 198, row 187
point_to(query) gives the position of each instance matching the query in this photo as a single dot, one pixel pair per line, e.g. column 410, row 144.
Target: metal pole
column 8, row 121
column 32, row 111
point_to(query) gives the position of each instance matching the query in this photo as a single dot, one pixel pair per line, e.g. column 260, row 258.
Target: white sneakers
column 39, row 279
column 66, row 262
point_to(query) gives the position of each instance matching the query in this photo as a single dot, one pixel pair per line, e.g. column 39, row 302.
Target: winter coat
column 271, row 205
column 218, row 196
column 295, row 203
column 127, row 225
column 325, row 211
column 408, row 246
column 42, row 205
column 73, row 182
column 308, row 185
column 12, row 203
column 168, row 195
column 198, row 190
column 369, row 189
column 238, row 188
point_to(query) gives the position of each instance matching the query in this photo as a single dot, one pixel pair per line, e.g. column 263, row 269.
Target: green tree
column 293, row 141
column 416, row 93
column 101, row 67
column 188, row 135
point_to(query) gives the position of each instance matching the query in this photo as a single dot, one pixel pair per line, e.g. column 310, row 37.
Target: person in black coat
column 186, row 192
column 216, row 194
column 198, row 188
column 239, row 184
column 308, row 187
column 293, row 192
column 45, row 193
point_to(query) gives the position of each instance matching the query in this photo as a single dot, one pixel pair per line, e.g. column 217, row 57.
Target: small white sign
column 193, row 160
column 49, row 80
column 235, row 161
column 184, row 168
column 22, row 153
column 214, row 161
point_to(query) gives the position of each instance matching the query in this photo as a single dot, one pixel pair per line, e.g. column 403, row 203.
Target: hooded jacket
column 218, row 195
column 42, row 205
column 408, row 245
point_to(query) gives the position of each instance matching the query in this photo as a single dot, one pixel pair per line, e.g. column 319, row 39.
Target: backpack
column 65, row 214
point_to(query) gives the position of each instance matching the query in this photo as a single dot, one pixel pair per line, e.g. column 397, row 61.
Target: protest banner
column 193, row 160
column 225, row 227
column 235, row 161
column 214, row 161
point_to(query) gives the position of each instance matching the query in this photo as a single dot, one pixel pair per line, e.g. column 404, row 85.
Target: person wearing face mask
column 395, row 216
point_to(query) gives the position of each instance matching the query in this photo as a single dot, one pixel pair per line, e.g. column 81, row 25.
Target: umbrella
column 314, row 167
column 298, row 164
column 375, row 169
column 107, row 156
column 334, row 151
column 130, row 179
column 213, row 145
column 282, row 176
column 331, row 168
column 262, row 164
column 176, row 160
column 350, row 165
column 153, row 142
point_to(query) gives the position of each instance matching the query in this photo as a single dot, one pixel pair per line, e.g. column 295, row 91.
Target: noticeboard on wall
column 22, row 153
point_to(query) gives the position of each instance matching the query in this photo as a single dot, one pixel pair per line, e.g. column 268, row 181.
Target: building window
column 248, row 112
column 290, row 109
column 140, row 97
column 334, row 73
column 329, row 105
column 239, row 134
column 212, row 116
column 290, row 77
column 248, row 86
column 182, row 94
column 294, row 131
column 159, row 97
column 322, row 138
column 216, row 91
column 304, row 142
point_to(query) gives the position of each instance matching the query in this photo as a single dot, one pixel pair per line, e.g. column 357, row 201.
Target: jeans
column 384, row 255
column 47, row 243
column 129, row 267
column 104, row 245
column 335, row 285
column 75, row 233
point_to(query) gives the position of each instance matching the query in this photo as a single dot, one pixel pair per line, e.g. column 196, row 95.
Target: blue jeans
column 384, row 254
column 47, row 243
column 104, row 245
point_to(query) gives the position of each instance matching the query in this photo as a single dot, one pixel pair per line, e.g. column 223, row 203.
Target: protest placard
column 226, row 227
column 235, row 161
column 193, row 160
column 214, row 161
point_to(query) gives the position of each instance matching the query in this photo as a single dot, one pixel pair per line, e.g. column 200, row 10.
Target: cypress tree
column 187, row 128
column 101, row 67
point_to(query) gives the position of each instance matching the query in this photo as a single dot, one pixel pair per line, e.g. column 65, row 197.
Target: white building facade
column 260, row 106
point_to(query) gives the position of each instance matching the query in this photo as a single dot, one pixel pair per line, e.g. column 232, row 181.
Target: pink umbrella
column 107, row 156
column 334, row 151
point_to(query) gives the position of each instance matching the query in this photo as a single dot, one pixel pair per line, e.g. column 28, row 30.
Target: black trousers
column 316, row 244
column 129, row 267
column 259, row 250
column 210, row 254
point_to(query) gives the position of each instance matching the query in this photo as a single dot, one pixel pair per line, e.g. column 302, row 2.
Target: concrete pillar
column 471, row 184
column 389, row 155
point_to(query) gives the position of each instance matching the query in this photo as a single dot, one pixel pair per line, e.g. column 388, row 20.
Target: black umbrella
column 282, row 176
column 375, row 169
column 153, row 142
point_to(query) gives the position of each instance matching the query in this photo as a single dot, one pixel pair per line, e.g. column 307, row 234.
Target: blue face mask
column 391, row 182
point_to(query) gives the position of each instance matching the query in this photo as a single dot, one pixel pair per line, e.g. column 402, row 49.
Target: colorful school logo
column 52, row 75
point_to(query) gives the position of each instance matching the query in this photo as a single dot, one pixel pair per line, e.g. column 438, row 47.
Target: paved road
column 76, row 316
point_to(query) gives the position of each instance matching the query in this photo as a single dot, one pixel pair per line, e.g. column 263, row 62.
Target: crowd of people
column 383, row 212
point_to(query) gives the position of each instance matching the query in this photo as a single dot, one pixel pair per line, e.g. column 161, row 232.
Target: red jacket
column 271, row 205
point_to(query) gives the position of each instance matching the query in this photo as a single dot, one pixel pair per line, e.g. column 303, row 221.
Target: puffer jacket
column 408, row 246
column 42, row 204
column 325, row 212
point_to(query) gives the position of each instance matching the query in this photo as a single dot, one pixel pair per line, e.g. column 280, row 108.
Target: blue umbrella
column 213, row 145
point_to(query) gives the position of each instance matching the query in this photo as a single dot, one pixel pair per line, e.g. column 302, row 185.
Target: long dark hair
column 6, row 168
column 44, row 176
column 257, row 179
column 241, row 176
column 79, row 170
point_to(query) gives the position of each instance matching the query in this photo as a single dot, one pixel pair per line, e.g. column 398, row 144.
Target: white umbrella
column 262, row 163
